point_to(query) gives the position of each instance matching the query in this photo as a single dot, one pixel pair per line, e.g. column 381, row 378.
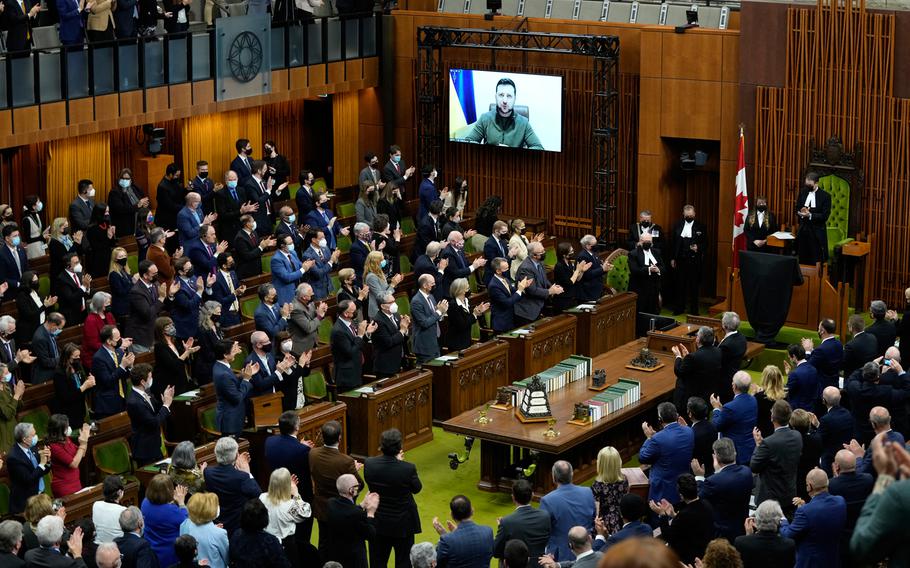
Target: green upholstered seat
column 314, row 387
column 469, row 246
column 319, row 186
column 237, row 363
column 344, row 243
column 472, row 282
column 346, row 209
column 408, row 226
column 248, row 307
column 325, row 330
column 839, row 219
column 37, row 417
column 549, row 260
column 618, row 278
column 44, row 286
column 405, row 263
column 292, row 190
column 133, row 262
column 113, row 457
column 267, row 263
column 206, row 416
column 4, row 499
column 475, row 331
column 336, row 282
column 404, row 305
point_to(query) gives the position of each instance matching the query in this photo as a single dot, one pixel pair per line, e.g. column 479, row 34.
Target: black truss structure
column 604, row 50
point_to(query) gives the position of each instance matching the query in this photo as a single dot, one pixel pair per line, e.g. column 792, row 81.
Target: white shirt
column 760, row 217
column 283, row 518
column 38, row 302
column 106, row 517
column 687, row 229
column 810, row 200
column 649, row 258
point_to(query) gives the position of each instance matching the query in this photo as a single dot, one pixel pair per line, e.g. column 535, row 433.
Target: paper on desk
column 84, row 489
column 783, row 235
column 190, row 394
column 521, row 332
column 364, row 390
column 585, row 306
column 165, row 461
column 447, row 358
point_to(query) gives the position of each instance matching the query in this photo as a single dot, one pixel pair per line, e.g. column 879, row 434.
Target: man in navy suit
column 347, row 341
column 305, row 197
column 13, row 260
column 324, row 219
column 285, row 449
column 426, row 314
column 469, row 545
column 862, row 348
column 111, row 367
column 530, row 525
column 458, row 265
column 882, row 327
column 427, row 191
column 135, row 550
column 591, row 286
column 732, row 350
column 258, row 191
column 231, row 391
column 287, row 225
column 204, row 251
column 147, row 417
column 852, row 486
column 568, row 505
column 204, row 186
column 703, row 431
column 828, row 357
column 72, row 24
column 776, row 458
column 429, row 229
column 26, row 466
column 190, row 218
column 287, row 270
column 818, row 525
column 430, row 263
column 185, row 305
column 323, row 263
column 803, row 388
column 349, row 526
column 269, row 316
column 728, row 489
column 268, row 379
column 503, row 295
column 231, row 203
column 834, row 429
column 497, row 246
column 360, row 248
column 668, row 452
column 227, row 290
column 232, row 481
column 881, row 424
column 865, row 391
column 633, row 509
column 528, row 308
column 45, row 349
column 241, row 164
column 737, row 418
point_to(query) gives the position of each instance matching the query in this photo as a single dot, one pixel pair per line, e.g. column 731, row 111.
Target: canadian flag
column 740, row 204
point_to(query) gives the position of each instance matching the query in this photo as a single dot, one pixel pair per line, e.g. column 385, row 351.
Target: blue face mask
column 34, row 441
column 291, row 247
column 232, row 184
column 292, row 218
column 39, row 206
column 7, row 377
column 125, row 183
column 17, row 241
column 56, row 332
column 383, row 263
column 396, row 159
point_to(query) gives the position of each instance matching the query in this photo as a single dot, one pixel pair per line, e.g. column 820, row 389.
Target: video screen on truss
column 505, row 109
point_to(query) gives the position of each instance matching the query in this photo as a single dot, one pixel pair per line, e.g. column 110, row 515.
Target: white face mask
column 91, row 192
column 393, row 308
column 323, row 243
column 286, row 346
column 148, row 387
column 69, row 431
column 78, row 268
column 254, row 226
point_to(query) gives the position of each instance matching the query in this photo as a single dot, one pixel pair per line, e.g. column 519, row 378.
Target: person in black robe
column 812, row 207
column 688, row 246
column 759, row 224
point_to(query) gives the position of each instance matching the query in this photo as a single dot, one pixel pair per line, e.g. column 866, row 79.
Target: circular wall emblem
column 245, row 57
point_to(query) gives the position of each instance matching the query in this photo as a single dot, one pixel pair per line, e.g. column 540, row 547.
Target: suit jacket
column 669, row 452
column 136, row 552
column 285, row 276
column 80, row 214
column 392, row 173
column 728, row 491
column 171, row 198
column 123, row 212
column 763, row 549
column 228, row 209
column 255, row 193
column 814, row 231
column 531, row 303
column 679, row 246
column 591, row 285
column 635, row 232
column 732, row 350
column 885, row 332
column 397, row 482
column 461, row 321
column 458, row 267
column 206, row 190
column 494, row 247
column 388, row 345
column 125, row 20
column 234, row 488
column 568, row 506
column 855, row 488
column 109, row 382
column 358, row 255
column 202, row 255
column 827, row 358
column 221, row 293
column 347, row 356
column 423, row 265
column 424, row 328
column 294, row 231
column 320, row 220
column 588, row 561
column 859, row 351
column 502, row 303
column 267, row 380
column 835, row 429
column 247, row 254
column 121, row 284
column 705, row 433
column 9, row 271
column 696, row 375
column 816, row 527
column 50, row 558
column 144, row 310
column 349, row 530
column 635, row 529
column 527, row 524
column 318, row 276
column 29, row 315
column 735, row 420
column 231, row 392
column 162, row 260
column 147, row 421
column 23, row 477
column 44, row 347
column 691, row 530
column 864, row 396
column 188, row 223
column 775, row 461
column 10, row 560
column 427, row 193
column 18, row 25
column 755, row 232
column 642, row 281
column 469, row 546
column 303, row 326
column 428, row 230
column 241, row 167
column 803, row 387
column 286, row 451
column 326, row 465
column 71, row 29
column 305, row 201
column 185, row 309
column 269, row 320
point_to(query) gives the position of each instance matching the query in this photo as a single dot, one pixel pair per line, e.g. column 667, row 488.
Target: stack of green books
column 562, row 374
column 616, row 397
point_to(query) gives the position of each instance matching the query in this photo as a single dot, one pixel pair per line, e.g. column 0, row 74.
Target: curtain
column 346, row 125
column 211, row 137
column 72, row 159
column 283, row 123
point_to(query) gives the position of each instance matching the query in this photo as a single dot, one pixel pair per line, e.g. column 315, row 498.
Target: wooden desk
column 506, row 441
column 402, row 401
column 753, row 348
column 35, row 396
column 664, row 341
column 204, row 454
column 79, row 505
column 470, row 380
column 551, row 340
column 110, row 428
column 638, row 481
column 610, row 324
column 183, row 424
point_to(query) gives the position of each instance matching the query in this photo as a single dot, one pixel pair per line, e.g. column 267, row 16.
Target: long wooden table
column 472, row 378
column 506, row 442
column 79, row 505
column 549, row 341
column 608, row 325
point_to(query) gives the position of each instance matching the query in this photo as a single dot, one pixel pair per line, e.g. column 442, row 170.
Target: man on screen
column 504, row 126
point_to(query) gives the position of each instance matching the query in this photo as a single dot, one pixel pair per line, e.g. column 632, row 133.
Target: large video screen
column 505, row 109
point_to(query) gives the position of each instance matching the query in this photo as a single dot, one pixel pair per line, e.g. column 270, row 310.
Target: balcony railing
column 45, row 75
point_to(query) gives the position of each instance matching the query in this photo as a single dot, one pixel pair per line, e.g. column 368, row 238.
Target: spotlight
column 153, row 138
column 455, row 460
column 493, row 8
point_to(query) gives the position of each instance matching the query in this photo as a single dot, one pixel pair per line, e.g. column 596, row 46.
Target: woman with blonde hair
column 61, row 243
column 212, row 540
column 121, row 282
column 520, row 243
column 349, row 290
column 462, row 316
column 36, row 508
column 286, row 510
column 374, row 279
column 609, row 487
column 770, row 391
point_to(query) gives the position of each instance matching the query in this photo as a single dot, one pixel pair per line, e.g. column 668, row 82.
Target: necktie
column 235, row 306
column 543, row 277
column 268, row 206
column 15, row 252
column 116, row 364
column 325, row 217
column 31, row 456
column 397, row 169
column 254, row 239
column 77, row 379
column 319, row 253
column 433, row 307
column 53, row 343
column 274, row 311
column 502, row 251
column 234, row 194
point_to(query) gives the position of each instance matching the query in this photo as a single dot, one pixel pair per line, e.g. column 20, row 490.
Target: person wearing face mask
column 204, row 186
column 497, row 246
column 451, row 221
column 287, row 270
column 433, row 264
column 74, row 289
column 62, row 241
column 645, row 225
column 347, row 341
column 65, row 454
column 99, row 315
column 44, row 347
column 519, row 241
column 27, row 465
column 591, row 286
column 171, row 356
column 365, row 207
column 374, row 278
column 279, row 170
column 305, row 197
column 645, row 268
column 287, row 225
column 13, row 260
column 147, row 414
column 127, row 202
column 687, row 252
column 457, row 197
column 759, row 224
column 210, row 335
column 504, row 294
column 360, row 248
column 258, row 189
column 427, row 314
column 386, row 240
column 249, row 248
column 428, row 192
column 227, row 290
column 33, row 227
column 102, row 239
column 9, row 404
column 111, row 367
column 429, row 229
column 6, row 215
column 272, row 371
column 185, row 305
column 147, row 299
column 458, row 265
column 370, row 176
column 568, row 274
column 323, row 219
column 31, row 307
column 306, row 316
column 170, row 198
column 203, row 252
column 290, row 385
column 529, row 307
column 324, row 263
column 390, row 338
column 396, row 170
column 80, row 210
column 231, row 391
column 71, row 381
column 812, row 208
column 230, row 203
column 158, row 254
column 241, row 163
column 391, row 205
column 10, row 355
column 120, row 281
column 269, row 316
column 191, row 217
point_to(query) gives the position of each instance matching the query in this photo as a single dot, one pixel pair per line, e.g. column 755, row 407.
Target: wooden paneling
column 336, row 72
column 316, row 75
column 26, row 119
column 353, row 70
column 371, row 71
column 298, row 79
column 690, row 109
column 53, row 115
column 131, row 103
column 107, row 107
column 651, row 54
column 280, row 81
column 203, row 92
column 649, row 118
column 696, row 55
column 82, row 111
column 181, row 95
column 6, row 123
column 156, row 99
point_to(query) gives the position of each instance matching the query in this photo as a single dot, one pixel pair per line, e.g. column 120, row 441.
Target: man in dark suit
column 324, row 262
column 80, row 209
column 852, row 486
column 270, row 376
column 591, row 286
column 395, row 481
column 497, row 246
column 231, row 391
column 581, row 546
column 727, row 490
column 147, row 416
column 360, row 248
column 504, row 294
column 50, row 533
column 396, row 170
column 232, row 481
column 73, row 289
column 13, row 260
column 431, row 263
column 389, row 339
column 803, row 383
column 698, row 372
column 242, row 163
column 285, row 449
column 732, row 350
column 11, row 544
column 817, row 525
column 147, row 299
column 135, row 550
column 633, row 510
column 528, row 308
column 426, row 314
column 10, row 355
column 347, row 341
column 760, row 223
column 44, row 347
column 429, row 229
column 737, row 418
column 203, row 252
column 170, row 198
column 270, row 317
column 812, row 207
column 26, row 466
column 776, row 459
column 862, row 348
column 287, row 225
column 645, row 270
column 828, row 357
column 257, row 190
column 568, row 505
column 305, row 197
column 204, row 186
column 327, row 464
column 227, row 290
column 704, row 432
column 834, row 429
column 350, row 526
column 643, row 227
column 17, row 20
column 469, row 545
column 883, row 329
column 692, row 527
column 762, row 545
column 125, row 19
column 689, row 242
column 458, row 265
column 668, row 452
column 230, row 203
column 527, row 524
column 111, row 368
column 866, row 391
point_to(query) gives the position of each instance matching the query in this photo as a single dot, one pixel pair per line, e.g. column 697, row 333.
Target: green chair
column 37, row 417
column 336, row 282
column 319, row 186
column 618, row 278
column 267, row 263
column 314, row 386
column 133, row 262
column 346, row 209
column 469, row 246
column 325, row 330
column 472, row 282
column 113, row 457
column 839, row 219
column 405, row 263
column 44, row 286
column 344, row 243
column 205, row 415
column 404, row 305
column 237, row 363
column 4, row 499
column 408, row 226
column 292, row 190
column 549, row 260
column 475, row 332
column 248, row 307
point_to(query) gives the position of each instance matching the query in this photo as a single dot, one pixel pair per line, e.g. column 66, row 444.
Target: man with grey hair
column 107, row 555
column 190, row 218
column 10, row 543
column 50, row 532
column 834, row 430
column 728, row 489
column 762, row 545
column 430, row 263
column 271, row 373
column 360, row 248
column 26, row 466
column 8, row 352
column 880, row 419
column 644, row 226
column 568, row 505
column 882, row 328
column 349, row 525
column 861, row 349
column 737, row 418
column 528, row 308
column 232, row 481
column 423, row 555
column 389, row 339
column 732, row 350
column 591, row 286
column 426, row 314
column 306, row 315
column 645, row 270
column 136, row 551
column 457, row 265
column 698, row 372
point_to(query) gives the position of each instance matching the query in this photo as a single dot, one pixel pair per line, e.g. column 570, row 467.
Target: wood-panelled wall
column 841, row 62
